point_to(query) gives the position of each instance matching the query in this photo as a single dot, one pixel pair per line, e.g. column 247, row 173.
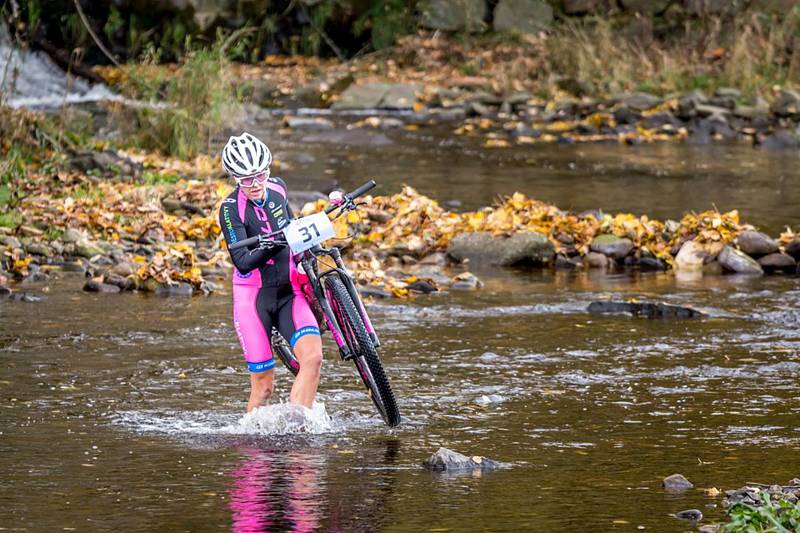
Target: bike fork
column 351, row 288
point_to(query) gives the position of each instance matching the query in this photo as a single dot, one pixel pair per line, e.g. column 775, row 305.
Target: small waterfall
column 31, row 79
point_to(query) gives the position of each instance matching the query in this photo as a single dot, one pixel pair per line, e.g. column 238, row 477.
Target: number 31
column 307, row 236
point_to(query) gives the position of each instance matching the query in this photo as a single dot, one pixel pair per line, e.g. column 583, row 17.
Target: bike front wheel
column 366, row 356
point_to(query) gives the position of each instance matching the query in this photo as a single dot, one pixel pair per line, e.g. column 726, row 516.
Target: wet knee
column 312, row 361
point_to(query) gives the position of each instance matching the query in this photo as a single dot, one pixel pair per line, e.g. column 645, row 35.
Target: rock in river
column 693, row 515
column 446, row 459
column 646, row 309
column 96, row 286
column 756, row 244
column 676, row 482
column 175, row 289
column 528, row 248
column 737, row 261
column 793, row 249
column 612, row 246
column 778, row 262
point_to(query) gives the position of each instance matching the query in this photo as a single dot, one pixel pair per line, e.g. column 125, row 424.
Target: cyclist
column 266, row 283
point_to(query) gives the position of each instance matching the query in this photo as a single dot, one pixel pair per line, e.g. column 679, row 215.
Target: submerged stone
column 693, row 515
column 446, row 459
column 676, row 482
column 645, row 309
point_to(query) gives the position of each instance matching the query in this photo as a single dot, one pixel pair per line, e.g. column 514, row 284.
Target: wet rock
column 432, row 273
column 520, row 249
column 691, row 256
column 793, row 248
column 700, row 134
column 750, row 112
column 596, row 260
column 175, row 289
column 446, row 459
column 369, row 291
column 693, row 515
column 780, row 140
column 454, row 15
column 568, row 263
column 524, row 16
column 778, row 262
column 422, row 286
column 652, row 263
column 710, row 528
column 28, row 297
column 125, row 283
column 612, row 246
column 644, row 309
column 787, row 104
column 37, row 248
column 4, row 291
column 466, row 281
column 676, row 482
column 638, row 101
column 436, row 258
column 756, row 244
column 737, row 261
column 309, row 123
column 92, row 285
column 626, row 115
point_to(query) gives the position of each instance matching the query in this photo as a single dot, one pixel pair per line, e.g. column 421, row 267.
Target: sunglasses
column 252, row 181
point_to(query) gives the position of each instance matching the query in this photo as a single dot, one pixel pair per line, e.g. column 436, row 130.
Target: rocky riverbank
column 125, row 234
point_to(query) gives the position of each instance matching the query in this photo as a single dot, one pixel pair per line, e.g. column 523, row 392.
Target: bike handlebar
column 349, row 197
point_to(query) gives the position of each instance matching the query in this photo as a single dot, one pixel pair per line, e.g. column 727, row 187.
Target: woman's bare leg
column 261, row 384
column 308, row 351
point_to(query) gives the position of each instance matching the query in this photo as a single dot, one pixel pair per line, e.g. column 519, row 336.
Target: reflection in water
column 278, row 490
column 286, row 490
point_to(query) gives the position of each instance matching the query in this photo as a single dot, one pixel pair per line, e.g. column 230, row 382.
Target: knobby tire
column 353, row 329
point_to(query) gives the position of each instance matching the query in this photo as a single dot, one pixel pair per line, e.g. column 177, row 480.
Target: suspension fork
column 351, row 288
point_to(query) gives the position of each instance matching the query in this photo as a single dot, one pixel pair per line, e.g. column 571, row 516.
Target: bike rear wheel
column 281, row 348
column 366, row 356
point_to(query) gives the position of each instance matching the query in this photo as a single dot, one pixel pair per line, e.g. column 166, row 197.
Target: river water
column 124, row 412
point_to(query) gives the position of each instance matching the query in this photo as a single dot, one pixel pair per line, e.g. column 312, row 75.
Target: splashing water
column 285, row 418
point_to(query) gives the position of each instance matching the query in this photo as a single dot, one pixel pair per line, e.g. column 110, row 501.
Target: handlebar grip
column 244, row 242
column 364, row 188
column 353, row 195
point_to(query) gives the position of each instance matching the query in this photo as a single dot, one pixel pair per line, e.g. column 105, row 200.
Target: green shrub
column 773, row 517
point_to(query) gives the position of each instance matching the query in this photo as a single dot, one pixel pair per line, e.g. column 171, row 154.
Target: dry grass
column 752, row 53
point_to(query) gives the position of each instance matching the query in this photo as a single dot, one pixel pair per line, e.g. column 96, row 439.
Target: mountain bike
column 333, row 296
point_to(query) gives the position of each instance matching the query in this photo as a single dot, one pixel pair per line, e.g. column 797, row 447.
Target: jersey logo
column 229, row 201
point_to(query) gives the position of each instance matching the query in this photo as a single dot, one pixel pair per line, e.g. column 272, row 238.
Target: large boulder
column 756, row 244
column 778, row 262
column 525, row 16
column 454, row 15
column 528, row 248
column 378, row 96
column 737, row 261
column 612, row 246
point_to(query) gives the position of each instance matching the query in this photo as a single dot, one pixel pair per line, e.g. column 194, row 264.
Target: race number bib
column 303, row 233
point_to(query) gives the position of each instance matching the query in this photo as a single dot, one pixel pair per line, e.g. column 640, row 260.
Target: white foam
column 283, row 419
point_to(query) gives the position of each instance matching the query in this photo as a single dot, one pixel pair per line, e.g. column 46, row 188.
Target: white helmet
column 245, row 155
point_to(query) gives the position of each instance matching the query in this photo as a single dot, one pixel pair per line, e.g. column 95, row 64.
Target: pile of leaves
column 410, row 223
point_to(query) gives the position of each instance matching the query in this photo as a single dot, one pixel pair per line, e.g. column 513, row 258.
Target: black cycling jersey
column 241, row 218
